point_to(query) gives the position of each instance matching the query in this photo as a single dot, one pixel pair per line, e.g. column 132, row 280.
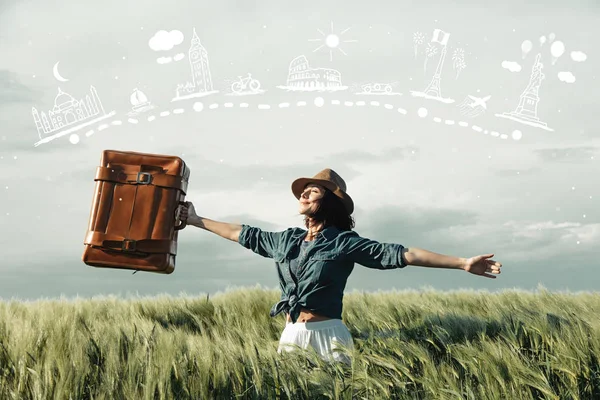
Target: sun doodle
column 332, row 41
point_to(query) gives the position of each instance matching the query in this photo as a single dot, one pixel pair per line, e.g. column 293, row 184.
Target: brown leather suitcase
column 133, row 223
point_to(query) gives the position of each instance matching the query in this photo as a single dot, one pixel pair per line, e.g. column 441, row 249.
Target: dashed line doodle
column 318, row 102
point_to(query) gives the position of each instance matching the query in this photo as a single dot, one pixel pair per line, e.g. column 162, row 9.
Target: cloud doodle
column 163, row 40
column 578, row 56
column 566, row 76
column 512, row 66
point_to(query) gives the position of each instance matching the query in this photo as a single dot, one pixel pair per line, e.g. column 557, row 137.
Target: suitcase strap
column 141, row 178
column 117, row 242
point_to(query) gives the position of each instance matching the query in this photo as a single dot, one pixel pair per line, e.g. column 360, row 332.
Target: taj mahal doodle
column 67, row 111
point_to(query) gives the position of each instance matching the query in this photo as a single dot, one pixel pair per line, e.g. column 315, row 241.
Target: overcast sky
column 444, row 176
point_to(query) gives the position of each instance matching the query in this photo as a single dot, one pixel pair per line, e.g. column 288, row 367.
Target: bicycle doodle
column 247, row 85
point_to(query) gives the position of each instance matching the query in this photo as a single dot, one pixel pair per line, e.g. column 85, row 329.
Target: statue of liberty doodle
column 526, row 111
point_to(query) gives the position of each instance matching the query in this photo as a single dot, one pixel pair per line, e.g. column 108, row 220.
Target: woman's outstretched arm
column 374, row 254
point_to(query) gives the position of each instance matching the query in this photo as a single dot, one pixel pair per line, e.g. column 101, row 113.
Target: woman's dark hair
column 331, row 211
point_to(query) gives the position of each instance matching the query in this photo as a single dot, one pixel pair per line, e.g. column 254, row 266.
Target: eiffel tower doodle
column 433, row 91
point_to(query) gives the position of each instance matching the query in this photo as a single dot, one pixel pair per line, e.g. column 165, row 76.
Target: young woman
column 313, row 264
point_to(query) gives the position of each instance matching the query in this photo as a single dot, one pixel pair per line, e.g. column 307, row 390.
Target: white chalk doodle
column 139, row 103
column 378, row 89
column 318, row 102
column 302, row 77
column 433, row 91
column 165, row 41
column 512, row 66
column 458, row 61
column 566, row 76
column 578, row 56
column 201, row 84
column 57, row 75
column 479, row 101
column 418, row 39
column 557, row 50
column 527, row 110
column 526, row 47
column 332, row 41
column 245, row 86
column 68, row 115
column 430, row 51
column 473, row 106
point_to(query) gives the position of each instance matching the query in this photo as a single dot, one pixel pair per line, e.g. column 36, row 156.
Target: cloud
column 416, row 226
column 578, row 56
column 567, row 77
column 549, row 238
column 388, row 154
column 12, row 90
column 512, row 172
column 245, row 177
column 459, row 232
column 163, row 40
column 512, row 66
column 567, row 154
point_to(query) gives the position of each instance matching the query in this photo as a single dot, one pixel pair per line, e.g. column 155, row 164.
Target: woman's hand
column 480, row 265
column 188, row 213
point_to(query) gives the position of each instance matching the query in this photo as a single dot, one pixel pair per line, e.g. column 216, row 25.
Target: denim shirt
column 324, row 270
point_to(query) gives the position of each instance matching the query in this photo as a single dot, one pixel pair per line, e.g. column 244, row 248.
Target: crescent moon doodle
column 57, row 75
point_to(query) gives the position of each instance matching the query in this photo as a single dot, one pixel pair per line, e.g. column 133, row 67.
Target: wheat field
column 408, row 345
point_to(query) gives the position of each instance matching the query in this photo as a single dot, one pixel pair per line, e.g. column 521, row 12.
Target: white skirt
column 323, row 336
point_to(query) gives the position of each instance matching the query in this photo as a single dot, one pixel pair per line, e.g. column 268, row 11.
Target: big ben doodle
column 201, row 84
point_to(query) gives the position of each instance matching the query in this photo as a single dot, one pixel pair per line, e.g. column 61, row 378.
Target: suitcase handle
column 182, row 224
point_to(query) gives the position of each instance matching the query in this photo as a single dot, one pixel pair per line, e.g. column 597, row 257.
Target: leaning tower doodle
column 201, row 84
column 526, row 111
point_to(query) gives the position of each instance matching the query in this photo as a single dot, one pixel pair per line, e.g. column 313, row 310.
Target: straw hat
column 329, row 179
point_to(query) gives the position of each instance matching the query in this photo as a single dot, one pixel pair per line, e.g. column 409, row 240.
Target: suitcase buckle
column 144, row 182
column 128, row 245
